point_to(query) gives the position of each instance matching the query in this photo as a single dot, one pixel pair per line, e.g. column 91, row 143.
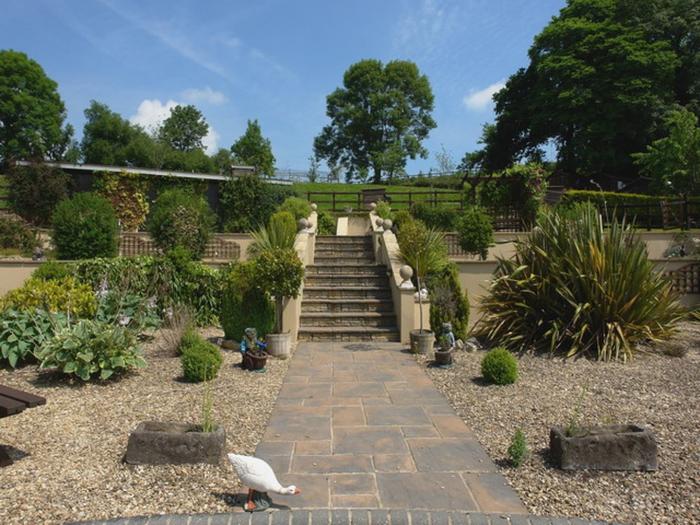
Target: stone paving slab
column 347, row 516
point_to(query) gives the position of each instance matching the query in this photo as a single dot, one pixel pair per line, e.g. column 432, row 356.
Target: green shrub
column 64, row 295
column 383, row 209
column 439, row 217
column 85, row 226
column 517, row 451
column 35, row 191
column 247, row 202
column 280, row 232
column 200, row 359
column 170, row 281
column 279, row 273
column 500, row 367
column 521, row 186
column 299, row 208
column 16, row 235
column 90, row 347
column 52, row 270
column 23, row 332
column 447, row 302
column 401, row 217
column 475, row 231
column 181, row 218
column 326, row 223
column 243, row 303
column 128, row 309
column 576, row 288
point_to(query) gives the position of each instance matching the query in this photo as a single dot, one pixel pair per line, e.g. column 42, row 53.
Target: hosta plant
column 92, row 349
column 577, row 288
column 23, row 332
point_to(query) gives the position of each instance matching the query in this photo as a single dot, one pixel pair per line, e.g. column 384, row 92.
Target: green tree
column 600, row 74
column 112, row 140
column 223, row 161
column 378, row 118
column 184, row 129
column 31, row 111
column 312, row 174
column 673, row 162
column 252, row 149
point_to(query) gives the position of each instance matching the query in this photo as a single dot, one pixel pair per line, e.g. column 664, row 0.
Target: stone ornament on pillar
column 380, row 223
column 373, row 206
column 406, row 272
column 388, row 223
column 314, row 206
column 303, row 225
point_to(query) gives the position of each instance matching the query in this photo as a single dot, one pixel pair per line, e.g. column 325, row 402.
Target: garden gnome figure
column 448, row 335
column 250, row 344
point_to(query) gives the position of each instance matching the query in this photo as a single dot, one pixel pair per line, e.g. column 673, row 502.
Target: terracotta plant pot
column 422, row 341
column 443, row 357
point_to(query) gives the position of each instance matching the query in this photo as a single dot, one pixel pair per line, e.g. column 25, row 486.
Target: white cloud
column 152, row 112
column 206, row 95
column 482, row 99
column 426, row 26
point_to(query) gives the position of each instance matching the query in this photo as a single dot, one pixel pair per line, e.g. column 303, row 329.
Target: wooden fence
column 218, row 247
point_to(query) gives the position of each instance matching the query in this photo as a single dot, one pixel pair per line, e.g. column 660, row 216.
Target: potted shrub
column 425, row 251
column 279, row 272
column 443, row 353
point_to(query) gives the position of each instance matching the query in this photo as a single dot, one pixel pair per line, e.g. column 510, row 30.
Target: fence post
column 334, row 201
column 359, row 200
column 410, row 199
column 686, row 217
column 434, row 198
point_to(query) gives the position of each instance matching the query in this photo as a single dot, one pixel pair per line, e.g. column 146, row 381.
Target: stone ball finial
column 314, row 206
column 406, row 272
column 372, row 206
column 379, row 222
column 303, row 224
column 388, row 223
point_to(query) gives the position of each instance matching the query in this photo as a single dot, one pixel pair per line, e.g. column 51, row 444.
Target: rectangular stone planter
column 155, row 443
column 609, row 447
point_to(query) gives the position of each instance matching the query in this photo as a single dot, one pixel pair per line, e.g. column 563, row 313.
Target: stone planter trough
column 609, row 447
column 155, row 443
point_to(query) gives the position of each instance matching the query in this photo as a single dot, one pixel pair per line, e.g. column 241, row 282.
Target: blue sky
column 273, row 60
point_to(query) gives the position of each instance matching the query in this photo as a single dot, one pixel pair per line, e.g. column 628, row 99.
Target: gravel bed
column 69, row 452
column 654, row 390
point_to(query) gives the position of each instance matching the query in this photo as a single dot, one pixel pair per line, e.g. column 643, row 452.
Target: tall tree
column 184, row 129
column 252, row 149
column 673, row 162
column 112, row 140
column 600, row 76
column 378, row 118
column 32, row 113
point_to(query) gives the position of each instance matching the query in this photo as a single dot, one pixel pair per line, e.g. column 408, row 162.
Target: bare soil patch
column 655, row 390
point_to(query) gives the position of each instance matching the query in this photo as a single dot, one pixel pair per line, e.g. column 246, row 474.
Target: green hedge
column 243, row 305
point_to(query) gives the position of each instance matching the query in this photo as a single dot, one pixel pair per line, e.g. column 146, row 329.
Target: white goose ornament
column 258, row 476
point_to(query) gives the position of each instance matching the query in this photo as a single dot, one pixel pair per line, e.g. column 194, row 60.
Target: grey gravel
column 654, row 390
column 72, row 447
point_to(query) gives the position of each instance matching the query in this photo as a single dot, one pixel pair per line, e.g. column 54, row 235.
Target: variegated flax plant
column 576, row 288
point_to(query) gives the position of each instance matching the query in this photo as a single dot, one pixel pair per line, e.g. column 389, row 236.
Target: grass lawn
column 397, row 194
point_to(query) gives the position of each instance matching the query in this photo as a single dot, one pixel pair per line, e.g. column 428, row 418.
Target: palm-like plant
column 577, row 288
column 424, row 250
column 279, row 233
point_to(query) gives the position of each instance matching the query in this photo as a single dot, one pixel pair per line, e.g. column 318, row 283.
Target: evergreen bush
column 200, row 359
column 182, row 219
column 65, row 295
column 475, row 231
column 16, row 235
column 499, row 367
column 84, row 227
column 51, row 270
column 35, row 191
column 243, row 303
column 299, row 208
column 246, row 202
column 440, row 217
column 447, row 302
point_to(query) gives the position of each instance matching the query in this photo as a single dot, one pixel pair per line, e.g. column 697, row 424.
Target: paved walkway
column 362, row 426
column 361, row 429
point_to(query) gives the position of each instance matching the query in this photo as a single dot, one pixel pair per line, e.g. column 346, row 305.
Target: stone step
column 342, row 249
column 345, row 269
column 344, row 320
column 346, row 292
column 334, row 306
column 360, row 333
column 343, row 238
column 343, row 259
column 343, row 279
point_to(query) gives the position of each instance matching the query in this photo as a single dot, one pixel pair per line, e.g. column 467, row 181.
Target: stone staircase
column 346, row 294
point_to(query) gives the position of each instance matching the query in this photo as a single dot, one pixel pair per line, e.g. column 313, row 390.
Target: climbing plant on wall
column 127, row 192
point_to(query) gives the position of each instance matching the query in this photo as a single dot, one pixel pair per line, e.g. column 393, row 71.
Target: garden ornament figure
column 250, row 346
column 448, row 335
column 260, row 479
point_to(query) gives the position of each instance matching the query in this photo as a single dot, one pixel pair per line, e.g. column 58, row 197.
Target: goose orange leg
column 250, row 506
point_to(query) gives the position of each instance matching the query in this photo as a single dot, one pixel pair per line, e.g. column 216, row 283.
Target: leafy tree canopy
column 673, row 162
column 252, row 149
column 600, row 75
column 31, row 111
column 112, row 140
column 378, row 118
column 184, row 129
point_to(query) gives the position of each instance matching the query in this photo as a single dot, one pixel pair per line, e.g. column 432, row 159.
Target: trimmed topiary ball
column 200, row 359
column 475, row 231
column 85, row 226
column 500, row 367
